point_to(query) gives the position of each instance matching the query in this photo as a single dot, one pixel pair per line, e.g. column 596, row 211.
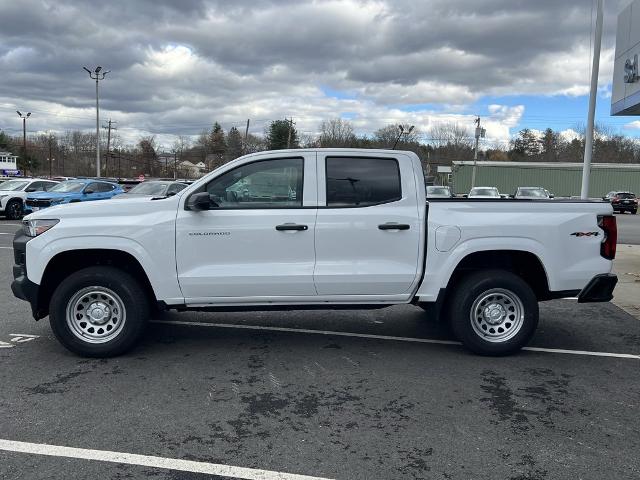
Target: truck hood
column 107, row 208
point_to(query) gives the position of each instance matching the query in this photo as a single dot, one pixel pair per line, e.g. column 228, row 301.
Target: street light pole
column 588, row 144
column 400, row 133
column 97, row 76
column 24, row 135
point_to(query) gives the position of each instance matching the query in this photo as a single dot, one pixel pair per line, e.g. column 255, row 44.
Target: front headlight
column 33, row 228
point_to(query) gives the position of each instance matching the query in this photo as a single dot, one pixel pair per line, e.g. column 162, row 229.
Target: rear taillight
column 608, row 245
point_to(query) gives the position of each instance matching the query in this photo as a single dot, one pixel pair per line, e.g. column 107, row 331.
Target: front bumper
column 22, row 287
column 599, row 289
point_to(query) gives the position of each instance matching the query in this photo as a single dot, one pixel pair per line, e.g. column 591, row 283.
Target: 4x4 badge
column 585, row 234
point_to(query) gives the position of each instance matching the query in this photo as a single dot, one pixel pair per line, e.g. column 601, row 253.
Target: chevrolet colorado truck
column 311, row 228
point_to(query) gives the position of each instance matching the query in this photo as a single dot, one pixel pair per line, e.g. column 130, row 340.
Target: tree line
column 72, row 153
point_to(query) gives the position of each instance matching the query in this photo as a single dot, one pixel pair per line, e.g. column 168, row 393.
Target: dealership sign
column 11, row 173
column 631, row 70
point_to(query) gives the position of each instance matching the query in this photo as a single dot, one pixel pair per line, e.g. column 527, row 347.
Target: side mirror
column 31, row 190
column 552, row 196
column 88, row 191
column 199, row 201
column 171, row 194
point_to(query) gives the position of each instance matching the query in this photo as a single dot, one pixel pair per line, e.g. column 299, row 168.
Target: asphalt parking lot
column 382, row 394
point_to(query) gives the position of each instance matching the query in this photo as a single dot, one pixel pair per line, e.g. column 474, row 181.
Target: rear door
column 368, row 229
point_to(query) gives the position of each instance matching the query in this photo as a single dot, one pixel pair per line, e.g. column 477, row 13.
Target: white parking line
column 385, row 337
column 150, row 461
column 7, row 248
column 5, row 233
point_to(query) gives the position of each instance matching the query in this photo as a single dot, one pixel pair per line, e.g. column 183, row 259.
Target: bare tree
column 450, row 134
column 337, row 133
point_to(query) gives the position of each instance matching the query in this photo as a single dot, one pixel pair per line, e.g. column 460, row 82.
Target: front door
column 258, row 239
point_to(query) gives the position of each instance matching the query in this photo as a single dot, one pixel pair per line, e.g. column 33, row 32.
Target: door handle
column 394, row 226
column 291, row 226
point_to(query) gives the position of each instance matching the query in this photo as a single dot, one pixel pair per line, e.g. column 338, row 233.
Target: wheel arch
column 525, row 264
column 67, row 262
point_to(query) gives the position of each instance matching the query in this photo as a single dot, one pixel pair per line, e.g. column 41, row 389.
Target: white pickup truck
column 313, row 228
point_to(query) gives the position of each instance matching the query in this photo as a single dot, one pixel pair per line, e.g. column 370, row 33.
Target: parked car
column 484, row 192
column 532, row 193
column 154, row 188
column 434, row 191
column 14, row 192
column 354, row 231
column 622, row 201
column 72, row 191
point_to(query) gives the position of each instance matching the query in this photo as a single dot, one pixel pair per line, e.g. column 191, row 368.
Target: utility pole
column 480, row 132
column 97, row 76
column 24, row 137
column 106, row 156
column 62, row 151
column 588, row 144
column 290, row 128
column 50, row 142
column 246, row 135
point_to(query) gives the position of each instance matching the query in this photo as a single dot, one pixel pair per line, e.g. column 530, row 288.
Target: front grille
column 31, row 202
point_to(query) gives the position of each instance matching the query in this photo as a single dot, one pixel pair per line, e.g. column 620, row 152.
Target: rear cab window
column 362, row 181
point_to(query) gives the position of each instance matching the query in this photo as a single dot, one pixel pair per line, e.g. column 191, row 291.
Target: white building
column 8, row 162
column 625, row 97
column 191, row 170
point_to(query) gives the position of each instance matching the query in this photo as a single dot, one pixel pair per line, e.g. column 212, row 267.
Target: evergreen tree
column 234, row 144
column 550, row 146
column 4, row 141
column 526, row 147
column 217, row 146
column 281, row 134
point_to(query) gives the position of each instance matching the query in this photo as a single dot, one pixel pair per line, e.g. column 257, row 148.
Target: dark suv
column 622, row 202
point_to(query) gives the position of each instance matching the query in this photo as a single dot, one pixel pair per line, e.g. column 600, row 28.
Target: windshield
column 438, row 191
column 532, row 192
column 488, row 192
column 150, row 188
column 13, row 185
column 67, row 187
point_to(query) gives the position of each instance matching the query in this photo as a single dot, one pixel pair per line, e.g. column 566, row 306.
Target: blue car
column 72, row 191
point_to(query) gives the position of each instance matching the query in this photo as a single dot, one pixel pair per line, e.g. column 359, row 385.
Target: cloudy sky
column 176, row 66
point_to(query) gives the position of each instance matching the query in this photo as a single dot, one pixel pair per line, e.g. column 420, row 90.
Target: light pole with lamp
column 97, row 76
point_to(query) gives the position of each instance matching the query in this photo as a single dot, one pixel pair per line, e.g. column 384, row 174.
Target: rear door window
column 362, row 182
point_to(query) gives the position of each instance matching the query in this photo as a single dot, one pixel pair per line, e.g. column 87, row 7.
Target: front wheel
column 493, row 312
column 98, row 312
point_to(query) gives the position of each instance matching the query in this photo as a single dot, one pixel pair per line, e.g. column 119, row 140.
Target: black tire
column 633, row 212
column 14, row 210
column 134, row 311
column 504, row 285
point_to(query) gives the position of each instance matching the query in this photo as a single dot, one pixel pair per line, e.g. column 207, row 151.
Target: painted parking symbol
column 22, row 337
column 17, row 338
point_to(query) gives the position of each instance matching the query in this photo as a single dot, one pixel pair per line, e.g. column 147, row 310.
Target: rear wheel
column 633, row 212
column 493, row 312
column 98, row 312
column 14, row 210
